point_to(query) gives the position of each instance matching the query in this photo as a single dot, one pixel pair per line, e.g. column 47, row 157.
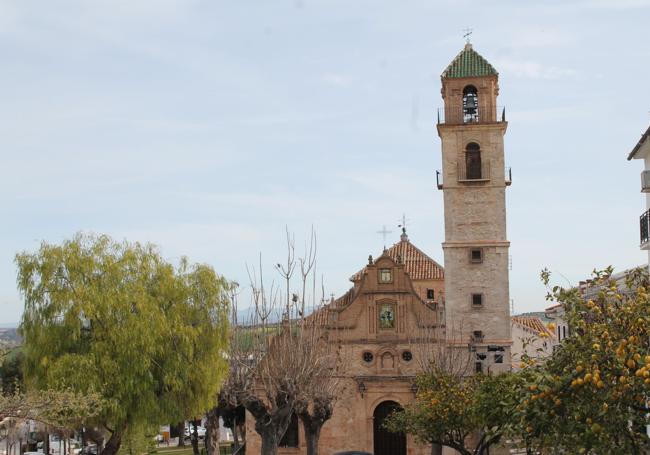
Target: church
column 403, row 301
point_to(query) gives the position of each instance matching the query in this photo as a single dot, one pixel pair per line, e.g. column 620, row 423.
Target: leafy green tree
column 468, row 414
column 116, row 319
column 591, row 396
column 11, row 374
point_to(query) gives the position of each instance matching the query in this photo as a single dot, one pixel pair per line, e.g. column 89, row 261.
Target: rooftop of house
column 469, row 63
column 644, row 143
column 533, row 324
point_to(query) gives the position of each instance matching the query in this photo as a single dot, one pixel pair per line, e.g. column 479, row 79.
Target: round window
column 407, row 356
column 367, row 357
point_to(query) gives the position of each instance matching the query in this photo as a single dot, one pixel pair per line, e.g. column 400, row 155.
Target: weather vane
column 403, row 222
column 384, row 232
column 468, row 32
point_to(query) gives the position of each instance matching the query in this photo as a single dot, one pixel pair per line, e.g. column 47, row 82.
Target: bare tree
column 315, row 404
column 441, row 348
column 283, row 367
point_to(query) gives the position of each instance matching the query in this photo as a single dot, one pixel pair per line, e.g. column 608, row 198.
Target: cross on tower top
column 467, row 32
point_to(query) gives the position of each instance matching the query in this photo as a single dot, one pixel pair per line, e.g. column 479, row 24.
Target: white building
column 531, row 337
column 642, row 151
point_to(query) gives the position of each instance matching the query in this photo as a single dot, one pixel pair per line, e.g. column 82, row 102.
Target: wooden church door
column 385, row 442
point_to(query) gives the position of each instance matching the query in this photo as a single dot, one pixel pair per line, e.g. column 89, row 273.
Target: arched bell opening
column 470, row 104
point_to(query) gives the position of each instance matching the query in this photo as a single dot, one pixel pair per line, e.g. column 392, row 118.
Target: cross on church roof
column 467, row 33
column 384, row 232
column 404, row 221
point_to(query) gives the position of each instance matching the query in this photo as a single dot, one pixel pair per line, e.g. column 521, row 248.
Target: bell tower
column 474, row 181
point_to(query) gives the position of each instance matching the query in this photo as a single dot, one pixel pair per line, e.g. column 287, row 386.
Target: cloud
column 336, row 79
column 617, row 4
column 533, row 70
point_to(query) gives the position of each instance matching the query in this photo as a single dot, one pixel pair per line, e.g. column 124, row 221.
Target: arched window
column 290, row 438
column 470, row 104
column 473, row 161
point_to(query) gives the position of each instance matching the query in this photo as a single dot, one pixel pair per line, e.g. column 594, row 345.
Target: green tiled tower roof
column 469, row 63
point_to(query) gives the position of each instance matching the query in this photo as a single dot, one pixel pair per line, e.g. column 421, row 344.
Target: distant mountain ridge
column 9, row 337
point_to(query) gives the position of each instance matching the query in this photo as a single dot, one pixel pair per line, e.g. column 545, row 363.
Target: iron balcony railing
column 484, row 175
column 474, row 173
column 644, row 221
column 461, row 116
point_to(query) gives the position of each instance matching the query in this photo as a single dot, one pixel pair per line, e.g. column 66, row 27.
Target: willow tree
column 115, row 318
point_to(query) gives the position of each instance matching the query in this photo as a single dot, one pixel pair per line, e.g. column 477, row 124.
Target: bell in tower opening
column 470, row 104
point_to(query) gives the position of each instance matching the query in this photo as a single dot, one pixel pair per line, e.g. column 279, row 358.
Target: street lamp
column 362, row 388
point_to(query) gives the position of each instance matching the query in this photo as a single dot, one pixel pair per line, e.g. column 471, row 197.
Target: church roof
column 418, row 265
column 469, row 63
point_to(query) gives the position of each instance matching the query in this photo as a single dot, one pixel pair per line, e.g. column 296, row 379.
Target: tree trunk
column 195, row 437
column 114, row 442
column 46, row 444
column 312, row 436
column 436, row 449
column 180, row 428
column 270, row 442
column 212, row 432
column 313, row 422
column 235, row 436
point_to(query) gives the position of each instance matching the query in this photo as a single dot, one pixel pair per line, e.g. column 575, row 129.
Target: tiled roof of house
column 644, row 137
column 469, row 63
column 418, row 265
column 532, row 323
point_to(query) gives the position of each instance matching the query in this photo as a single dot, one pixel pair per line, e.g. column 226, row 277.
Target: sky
column 206, row 127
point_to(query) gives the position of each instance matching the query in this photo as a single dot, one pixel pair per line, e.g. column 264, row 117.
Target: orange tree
column 467, row 414
column 591, row 396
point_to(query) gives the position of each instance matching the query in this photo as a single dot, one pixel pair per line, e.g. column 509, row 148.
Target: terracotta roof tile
column 533, row 323
column 418, row 265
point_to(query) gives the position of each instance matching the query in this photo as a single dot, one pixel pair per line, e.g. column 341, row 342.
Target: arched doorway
column 385, row 442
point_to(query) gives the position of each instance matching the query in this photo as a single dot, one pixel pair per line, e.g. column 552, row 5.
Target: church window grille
column 498, row 358
column 563, row 332
column 430, row 294
column 476, row 255
column 478, row 367
column 477, row 300
column 367, row 357
column 407, row 356
column 290, row 437
column 385, row 276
